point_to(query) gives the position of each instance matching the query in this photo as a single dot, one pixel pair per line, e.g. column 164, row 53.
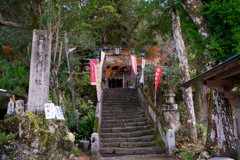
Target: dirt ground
column 130, row 157
column 83, row 156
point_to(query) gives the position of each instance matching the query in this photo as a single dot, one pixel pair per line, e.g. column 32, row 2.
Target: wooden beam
column 226, row 67
column 233, row 97
column 236, row 83
column 228, row 73
column 112, row 48
column 194, row 81
column 222, row 85
column 112, row 54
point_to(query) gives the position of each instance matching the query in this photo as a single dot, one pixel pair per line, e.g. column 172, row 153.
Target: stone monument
column 10, row 109
column 39, row 70
column 19, row 107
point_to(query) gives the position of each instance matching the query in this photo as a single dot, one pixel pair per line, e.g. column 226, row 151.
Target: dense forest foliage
column 131, row 23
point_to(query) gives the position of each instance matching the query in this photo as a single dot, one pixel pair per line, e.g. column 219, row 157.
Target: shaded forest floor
column 83, row 156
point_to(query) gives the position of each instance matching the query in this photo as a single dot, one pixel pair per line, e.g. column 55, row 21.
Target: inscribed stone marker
column 39, row 70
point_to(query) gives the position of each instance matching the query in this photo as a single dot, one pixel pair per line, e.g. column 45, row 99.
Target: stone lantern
column 170, row 116
column 169, row 102
column 87, row 69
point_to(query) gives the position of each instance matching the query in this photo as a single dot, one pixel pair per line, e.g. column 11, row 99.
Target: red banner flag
column 158, row 71
column 134, row 65
column 93, row 62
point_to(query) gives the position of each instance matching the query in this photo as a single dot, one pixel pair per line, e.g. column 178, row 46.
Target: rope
column 39, row 105
column 34, row 106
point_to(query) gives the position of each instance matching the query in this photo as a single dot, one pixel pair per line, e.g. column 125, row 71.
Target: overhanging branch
column 12, row 24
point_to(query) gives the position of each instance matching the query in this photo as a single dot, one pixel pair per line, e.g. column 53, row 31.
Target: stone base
column 172, row 119
column 38, row 138
column 238, row 148
column 169, row 107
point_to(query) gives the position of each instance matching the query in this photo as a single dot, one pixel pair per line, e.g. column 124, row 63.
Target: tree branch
column 12, row 24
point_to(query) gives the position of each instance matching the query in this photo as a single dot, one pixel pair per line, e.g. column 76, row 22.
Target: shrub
column 86, row 128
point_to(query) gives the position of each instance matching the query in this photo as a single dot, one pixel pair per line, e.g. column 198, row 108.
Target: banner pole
column 155, row 102
column 143, row 76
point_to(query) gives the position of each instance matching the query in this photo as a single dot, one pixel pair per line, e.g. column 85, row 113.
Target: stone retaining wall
column 96, row 136
column 153, row 115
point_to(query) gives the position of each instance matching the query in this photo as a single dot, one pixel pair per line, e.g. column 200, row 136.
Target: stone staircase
column 125, row 128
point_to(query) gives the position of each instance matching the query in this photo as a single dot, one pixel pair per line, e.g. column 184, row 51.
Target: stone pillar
column 95, row 147
column 170, row 142
column 10, row 109
column 39, row 70
column 19, row 107
column 106, row 83
column 170, row 116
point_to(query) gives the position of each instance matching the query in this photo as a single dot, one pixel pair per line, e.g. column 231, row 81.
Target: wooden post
column 39, row 70
column 71, row 79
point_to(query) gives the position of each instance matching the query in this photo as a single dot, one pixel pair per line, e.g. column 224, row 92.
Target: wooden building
column 226, row 78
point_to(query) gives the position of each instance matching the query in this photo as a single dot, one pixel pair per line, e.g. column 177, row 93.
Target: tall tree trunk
column 184, row 71
column 193, row 9
column 71, row 80
column 221, row 128
column 201, row 97
column 220, row 116
column 54, row 70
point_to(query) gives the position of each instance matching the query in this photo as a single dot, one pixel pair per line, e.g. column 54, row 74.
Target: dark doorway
column 2, row 113
column 115, row 83
column 119, row 83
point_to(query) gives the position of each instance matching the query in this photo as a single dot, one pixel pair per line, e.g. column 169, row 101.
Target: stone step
column 120, row 91
column 127, row 135
column 120, row 114
column 122, row 94
column 147, row 138
column 110, row 125
column 120, row 98
column 128, row 144
column 120, row 104
column 117, row 98
column 130, row 120
column 125, row 129
column 122, row 111
column 123, row 116
column 110, row 107
column 130, row 150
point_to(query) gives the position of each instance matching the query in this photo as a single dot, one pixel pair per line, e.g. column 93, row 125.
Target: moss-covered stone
column 159, row 117
column 96, row 121
column 75, row 150
column 9, row 125
column 38, row 138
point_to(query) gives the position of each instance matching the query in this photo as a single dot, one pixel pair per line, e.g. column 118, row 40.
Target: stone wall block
column 19, row 107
